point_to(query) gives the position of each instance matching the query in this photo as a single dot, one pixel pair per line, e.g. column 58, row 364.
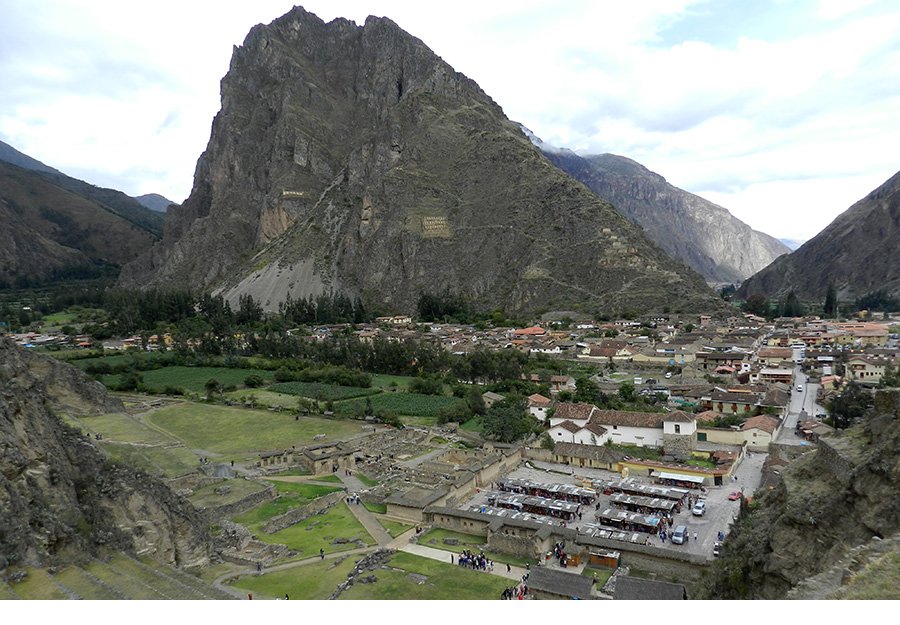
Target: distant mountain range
column 793, row 244
column 703, row 235
column 154, row 202
column 859, row 252
column 58, row 227
column 352, row 159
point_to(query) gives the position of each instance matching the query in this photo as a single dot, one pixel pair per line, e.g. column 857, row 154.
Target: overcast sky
column 785, row 112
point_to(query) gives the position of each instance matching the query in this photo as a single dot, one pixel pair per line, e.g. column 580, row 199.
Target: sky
column 786, row 112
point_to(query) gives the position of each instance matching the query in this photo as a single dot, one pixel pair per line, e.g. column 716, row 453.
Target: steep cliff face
column 60, row 500
column 829, row 502
column 352, row 158
column 858, row 252
column 705, row 236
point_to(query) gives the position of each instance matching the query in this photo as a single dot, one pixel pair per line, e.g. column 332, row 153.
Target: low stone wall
column 242, row 505
column 292, row 517
column 519, row 546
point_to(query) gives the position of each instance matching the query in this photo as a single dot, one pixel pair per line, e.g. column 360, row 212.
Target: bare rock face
column 60, row 500
column 705, row 236
column 352, row 159
column 858, row 253
column 829, row 502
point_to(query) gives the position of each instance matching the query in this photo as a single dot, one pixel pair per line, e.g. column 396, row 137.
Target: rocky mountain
column 353, row 159
column 857, row 252
column 829, row 527
column 109, row 200
column 705, row 236
column 60, row 499
column 51, row 233
column 793, row 244
column 154, row 201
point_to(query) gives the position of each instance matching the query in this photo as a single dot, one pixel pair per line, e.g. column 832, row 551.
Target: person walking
column 321, row 554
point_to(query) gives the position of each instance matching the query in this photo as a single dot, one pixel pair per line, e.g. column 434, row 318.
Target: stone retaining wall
column 292, row 517
column 241, row 505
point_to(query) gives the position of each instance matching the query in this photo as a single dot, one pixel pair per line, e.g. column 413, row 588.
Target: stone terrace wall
column 292, row 517
column 241, row 505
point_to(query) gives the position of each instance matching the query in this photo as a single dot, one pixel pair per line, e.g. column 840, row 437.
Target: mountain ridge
column 703, row 235
column 857, row 252
column 365, row 164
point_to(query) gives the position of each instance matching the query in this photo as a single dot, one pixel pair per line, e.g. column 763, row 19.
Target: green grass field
column 233, row 433
column 264, row 398
column 159, row 461
column 194, row 379
column 320, row 531
column 291, row 495
column 322, row 392
column 466, row 541
column 206, row 497
column 312, row 581
column 403, row 404
column 123, row 428
column 394, row 528
column 382, row 380
column 444, row 581
column 366, row 479
column 114, row 360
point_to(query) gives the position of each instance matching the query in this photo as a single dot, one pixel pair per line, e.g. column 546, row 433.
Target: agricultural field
column 385, row 381
column 194, row 379
column 116, row 360
column 263, row 398
column 403, row 404
column 229, row 433
column 123, row 428
column 443, row 581
column 322, row 392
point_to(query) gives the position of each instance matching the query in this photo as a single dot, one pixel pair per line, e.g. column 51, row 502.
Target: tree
column 792, row 306
column 507, row 420
column 253, row 381
column 213, row 387
column 756, row 304
column 850, row 406
column 891, row 377
column 831, row 304
column 626, row 391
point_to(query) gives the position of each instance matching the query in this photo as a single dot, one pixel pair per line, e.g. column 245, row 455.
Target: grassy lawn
column 291, row 472
column 124, row 429
column 444, row 581
column 206, row 496
column 365, row 479
column 394, row 528
column 159, row 461
column 377, row 508
column 236, row 432
column 328, row 478
column 473, row 425
column 37, row 585
column 264, row 398
column 319, row 532
column 291, row 495
column 469, row 542
column 403, row 404
column 313, row 581
column 382, row 380
column 602, row 575
column 322, row 392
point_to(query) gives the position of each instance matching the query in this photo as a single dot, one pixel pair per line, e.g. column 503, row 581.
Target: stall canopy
column 694, row 479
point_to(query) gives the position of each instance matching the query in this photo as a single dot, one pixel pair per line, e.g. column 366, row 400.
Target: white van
column 680, row 535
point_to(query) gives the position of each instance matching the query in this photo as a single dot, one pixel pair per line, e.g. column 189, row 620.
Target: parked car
column 735, row 495
column 699, row 508
column 680, row 535
column 668, row 375
column 717, row 548
column 799, row 388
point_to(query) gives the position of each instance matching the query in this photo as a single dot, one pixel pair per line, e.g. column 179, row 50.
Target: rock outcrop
column 858, row 253
column 704, row 236
column 352, row 159
column 830, row 504
column 60, row 499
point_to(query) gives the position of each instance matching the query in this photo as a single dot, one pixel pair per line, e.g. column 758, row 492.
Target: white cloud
column 801, row 107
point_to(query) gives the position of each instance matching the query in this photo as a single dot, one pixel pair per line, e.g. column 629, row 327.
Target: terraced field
column 121, row 577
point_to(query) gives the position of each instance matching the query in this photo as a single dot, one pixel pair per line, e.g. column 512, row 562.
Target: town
column 645, row 438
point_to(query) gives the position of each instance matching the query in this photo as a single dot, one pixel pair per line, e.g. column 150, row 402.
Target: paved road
column 803, row 406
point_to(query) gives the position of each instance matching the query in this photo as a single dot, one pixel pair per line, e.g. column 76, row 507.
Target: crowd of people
column 476, row 561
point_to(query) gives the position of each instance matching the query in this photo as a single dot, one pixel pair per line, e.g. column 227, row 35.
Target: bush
column 253, row 381
column 426, row 386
